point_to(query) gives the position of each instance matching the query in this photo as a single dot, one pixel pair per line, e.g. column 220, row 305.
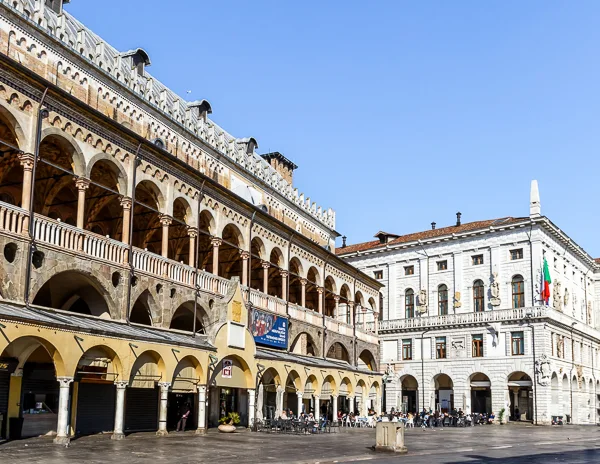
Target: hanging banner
column 269, row 329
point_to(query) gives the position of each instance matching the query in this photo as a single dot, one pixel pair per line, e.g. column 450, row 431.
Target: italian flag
column 546, row 281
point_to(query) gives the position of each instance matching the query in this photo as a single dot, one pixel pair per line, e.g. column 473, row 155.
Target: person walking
column 183, row 419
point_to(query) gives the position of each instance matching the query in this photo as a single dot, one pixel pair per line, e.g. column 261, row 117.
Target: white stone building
column 463, row 323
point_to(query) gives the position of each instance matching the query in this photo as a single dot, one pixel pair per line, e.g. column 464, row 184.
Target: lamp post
column 573, row 324
column 535, row 409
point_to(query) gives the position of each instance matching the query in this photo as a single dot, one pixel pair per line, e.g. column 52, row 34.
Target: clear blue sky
column 398, row 113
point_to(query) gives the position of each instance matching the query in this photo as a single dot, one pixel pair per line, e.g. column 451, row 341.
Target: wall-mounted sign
column 227, row 371
column 8, row 365
column 269, row 329
column 236, row 311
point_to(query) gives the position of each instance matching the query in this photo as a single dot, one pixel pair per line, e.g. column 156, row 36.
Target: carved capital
column 216, row 241
column 303, row 282
column 192, row 232
column 320, row 290
column 126, row 202
column 284, row 274
column 336, row 298
column 202, row 389
column 265, row 264
column 299, row 394
column 26, row 160
column 245, row 255
column 121, row 384
column 164, row 385
column 64, row 382
column 82, row 183
column 166, row 220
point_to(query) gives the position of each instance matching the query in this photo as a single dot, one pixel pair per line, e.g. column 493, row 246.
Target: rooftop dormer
column 56, row 5
column 385, row 237
column 138, row 58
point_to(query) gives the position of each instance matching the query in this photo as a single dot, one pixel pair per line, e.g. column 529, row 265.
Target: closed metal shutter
column 95, row 408
column 141, row 409
column 4, row 386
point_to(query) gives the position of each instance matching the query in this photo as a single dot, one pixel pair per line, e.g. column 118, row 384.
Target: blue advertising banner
column 269, row 329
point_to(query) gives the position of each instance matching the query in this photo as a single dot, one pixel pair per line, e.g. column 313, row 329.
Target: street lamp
column 423, row 367
column 573, row 324
column 535, row 408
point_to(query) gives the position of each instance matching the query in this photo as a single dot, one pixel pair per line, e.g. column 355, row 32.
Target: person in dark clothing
column 183, row 419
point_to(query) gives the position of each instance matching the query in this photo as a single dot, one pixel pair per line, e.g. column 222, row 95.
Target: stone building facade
column 463, row 323
column 144, row 246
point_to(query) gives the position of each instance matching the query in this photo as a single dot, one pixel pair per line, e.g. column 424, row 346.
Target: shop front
column 7, row 367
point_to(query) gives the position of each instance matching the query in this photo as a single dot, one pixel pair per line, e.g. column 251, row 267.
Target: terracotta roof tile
column 597, row 260
column 429, row 234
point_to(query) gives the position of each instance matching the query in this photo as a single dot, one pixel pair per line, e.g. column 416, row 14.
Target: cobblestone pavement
column 520, row 444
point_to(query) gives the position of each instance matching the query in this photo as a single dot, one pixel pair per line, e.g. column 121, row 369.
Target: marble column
column 82, row 185
column 351, row 404
column 303, row 283
column 260, row 401
column 299, row 395
column 284, row 277
column 165, row 221
column 119, row 411
column 251, row 406
column 279, row 401
column 126, row 205
column 216, row 243
column 337, row 307
column 62, row 426
column 192, row 233
column 201, row 428
column 245, row 255
column 26, row 160
column 266, row 267
column 162, row 410
column 334, row 404
column 321, row 292
column 317, row 406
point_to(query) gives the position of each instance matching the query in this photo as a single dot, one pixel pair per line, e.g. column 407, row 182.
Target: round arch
column 69, row 144
column 147, row 370
column 304, row 344
column 183, row 318
column 23, row 347
column 10, row 120
column 366, row 360
column 143, row 309
column 99, row 362
column 76, row 291
column 339, row 352
column 520, row 388
column 187, row 375
column 116, row 167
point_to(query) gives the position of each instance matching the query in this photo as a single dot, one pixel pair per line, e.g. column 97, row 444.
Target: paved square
column 510, row 443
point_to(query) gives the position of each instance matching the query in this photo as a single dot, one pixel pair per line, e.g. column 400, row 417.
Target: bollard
column 389, row 436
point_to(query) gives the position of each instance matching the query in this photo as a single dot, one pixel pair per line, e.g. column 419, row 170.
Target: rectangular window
column 516, row 254
column 477, row 346
column 409, row 270
column 407, row 350
column 442, row 265
column 440, row 347
column 378, row 275
column 517, row 343
column 409, row 303
column 477, row 260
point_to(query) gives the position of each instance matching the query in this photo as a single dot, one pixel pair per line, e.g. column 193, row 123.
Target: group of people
column 428, row 418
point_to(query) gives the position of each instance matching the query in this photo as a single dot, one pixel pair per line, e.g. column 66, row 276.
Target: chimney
column 433, row 226
column 458, row 215
column 281, row 164
column 344, row 241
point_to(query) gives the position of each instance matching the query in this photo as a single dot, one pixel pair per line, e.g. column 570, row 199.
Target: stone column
column 245, row 255
column 350, row 313
column 284, row 277
column 351, row 404
column 266, row 267
column 82, row 185
column 162, row 410
column 119, row 411
column 317, row 406
column 299, row 395
column 378, row 404
column 303, row 283
column 62, row 426
column 201, row 429
column 337, row 307
column 26, row 160
column 365, row 405
column 192, row 233
column 126, row 205
column 251, row 405
column 165, row 222
column 216, row 243
column 321, row 292
column 334, row 403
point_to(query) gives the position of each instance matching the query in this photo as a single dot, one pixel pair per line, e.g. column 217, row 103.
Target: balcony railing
column 263, row 301
column 461, row 319
column 339, row 327
column 64, row 236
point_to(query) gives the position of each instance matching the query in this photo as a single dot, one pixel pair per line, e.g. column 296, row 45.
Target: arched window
column 478, row 296
column 518, row 292
column 443, row 300
column 409, row 303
